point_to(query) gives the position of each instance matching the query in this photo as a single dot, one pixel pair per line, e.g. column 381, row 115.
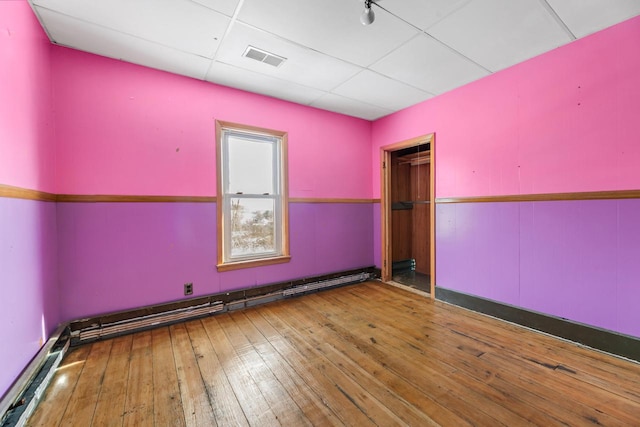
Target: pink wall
column 29, row 309
column 566, row 121
column 125, row 129
column 26, row 123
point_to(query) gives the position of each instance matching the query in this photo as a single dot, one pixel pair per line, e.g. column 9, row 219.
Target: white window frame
column 280, row 196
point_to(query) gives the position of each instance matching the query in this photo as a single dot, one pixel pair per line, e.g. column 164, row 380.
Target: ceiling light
column 367, row 16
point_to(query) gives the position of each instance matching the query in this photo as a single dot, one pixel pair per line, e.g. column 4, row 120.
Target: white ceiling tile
column 69, row 31
column 250, row 81
column 350, row 107
column 497, row 33
column 423, row 13
column 376, row 89
column 227, row 7
column 303, row 66
column 329, row 26
column 325, row 43
column 180, row 24
column 425, row 63
column 584, row 17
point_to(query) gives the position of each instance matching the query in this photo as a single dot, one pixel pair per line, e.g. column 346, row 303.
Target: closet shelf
column 397, row 206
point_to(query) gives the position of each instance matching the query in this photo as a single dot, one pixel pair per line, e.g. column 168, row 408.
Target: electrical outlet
column 188, row 288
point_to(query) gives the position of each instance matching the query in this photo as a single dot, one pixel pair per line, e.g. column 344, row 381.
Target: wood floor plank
column 540, row 406
column 299, row 369
column 545, row 347
column 499, row 336
column 82, row 404
column 602, row 405
column 594, row 361
column 276, row 396
column 387, row 375
column 407, row 364
column 358, row 355
column 363, row 372
column 226, row 408
column 197, row 407
column 375, row 342
column 307, row 367
column 534, row 368
column 312, row 404
column 364, row 375
column 139, row 403
column 167, row 402
column 111, row 400
column 504, row 385
column 57, row 396
column 361, row 398
column 567, row 368
column 569, row 362
column 255, row 407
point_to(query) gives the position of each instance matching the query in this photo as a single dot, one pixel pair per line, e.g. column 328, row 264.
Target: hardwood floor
column 367, row 354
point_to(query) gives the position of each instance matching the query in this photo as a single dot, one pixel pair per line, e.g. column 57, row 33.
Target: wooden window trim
column 237, row 265
column 284, row 199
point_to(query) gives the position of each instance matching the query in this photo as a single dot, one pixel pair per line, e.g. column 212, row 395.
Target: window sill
column 237, row 265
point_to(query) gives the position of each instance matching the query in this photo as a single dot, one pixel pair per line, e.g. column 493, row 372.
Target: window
column 252, row 196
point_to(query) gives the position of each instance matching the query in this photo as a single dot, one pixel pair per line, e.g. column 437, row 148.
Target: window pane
column 252, row 196
column 250, row 166
column 253, row 229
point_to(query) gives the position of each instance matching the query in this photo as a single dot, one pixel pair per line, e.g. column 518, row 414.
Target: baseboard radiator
column 323, row 284
column 100, row 328
column 20, row 401
column 122, row 327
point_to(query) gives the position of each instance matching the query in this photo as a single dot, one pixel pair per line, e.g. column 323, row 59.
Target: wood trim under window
column 284, row 199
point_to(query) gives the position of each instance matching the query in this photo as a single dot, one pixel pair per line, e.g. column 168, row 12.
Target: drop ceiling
column 415, row 49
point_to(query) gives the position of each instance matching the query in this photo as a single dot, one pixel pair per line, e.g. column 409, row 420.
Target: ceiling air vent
column 263, row 56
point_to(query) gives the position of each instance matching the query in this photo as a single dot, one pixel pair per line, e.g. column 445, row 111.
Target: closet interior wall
column 410, row 216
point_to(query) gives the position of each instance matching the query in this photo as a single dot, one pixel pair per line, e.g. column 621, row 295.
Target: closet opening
column 407, row 217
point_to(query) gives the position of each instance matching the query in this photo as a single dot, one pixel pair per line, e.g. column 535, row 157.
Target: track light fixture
column 367, row 16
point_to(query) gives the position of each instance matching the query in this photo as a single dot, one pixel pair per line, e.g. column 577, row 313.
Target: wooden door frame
column 385, row 204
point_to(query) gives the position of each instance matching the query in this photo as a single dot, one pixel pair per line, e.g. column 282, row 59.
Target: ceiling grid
column 415, row 49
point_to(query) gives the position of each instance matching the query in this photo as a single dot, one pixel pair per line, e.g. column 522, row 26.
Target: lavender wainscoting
column 377, row 235
column 477, row 249
column 571, row 259
column 117, row 256
column 628, row 273
column 28, row 277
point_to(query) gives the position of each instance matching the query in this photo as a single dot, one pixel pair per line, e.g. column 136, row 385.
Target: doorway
column 408, row 213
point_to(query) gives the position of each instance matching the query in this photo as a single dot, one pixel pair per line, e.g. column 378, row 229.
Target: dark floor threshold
column 600, row 339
